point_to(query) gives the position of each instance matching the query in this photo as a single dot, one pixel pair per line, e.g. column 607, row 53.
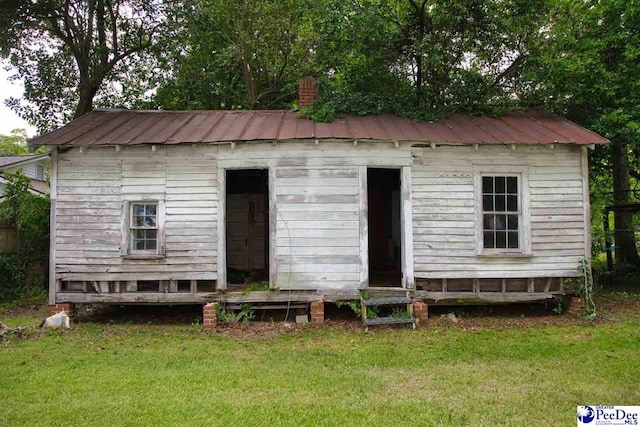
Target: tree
column 68, row 51
column 239, row 54
column 589, row 71
column 424, row 58
column 14, row 144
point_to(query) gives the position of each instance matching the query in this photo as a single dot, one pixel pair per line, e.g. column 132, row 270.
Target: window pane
column 488, row 221
column 151, row 234
column 487, row 184
column 139, row 234
column 151, row 244
column 500, row 196
column 139, row 245
column 151, row 210
column 489, row 242
column 149, row 221
column 138, row 210
column 138, row 221
column 487, row 203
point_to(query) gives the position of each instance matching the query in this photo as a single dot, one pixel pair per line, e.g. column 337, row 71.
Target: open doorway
column 247, row 226
column 383, row 192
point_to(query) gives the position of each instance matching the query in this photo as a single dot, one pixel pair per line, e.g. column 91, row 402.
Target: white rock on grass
column 58, row 320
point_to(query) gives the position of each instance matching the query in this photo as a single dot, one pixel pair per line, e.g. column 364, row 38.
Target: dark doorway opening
column 247, row 226
column 383, row 192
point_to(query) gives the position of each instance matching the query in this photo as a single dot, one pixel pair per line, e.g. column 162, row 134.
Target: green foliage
column 15, row 144
column 369, row 55
column 244, row 316
column 422, row 59
column 399, row 312
column 21, row 272
column 70, row 53
column 356, row 306
column 319, row 112
column 589, row 71
column 558, row 307
column 240, row 54
column 223, row 316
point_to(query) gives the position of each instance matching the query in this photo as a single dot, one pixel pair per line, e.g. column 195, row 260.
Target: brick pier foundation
column 420, row 311
column 317, row 312
column 69, row 309
column 209, row 317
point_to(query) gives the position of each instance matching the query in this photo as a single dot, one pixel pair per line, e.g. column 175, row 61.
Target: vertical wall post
column 364, row 227
column 222, row 230
column 408, row 280
column 53, row 196
column 587, row 205
column 273, row 230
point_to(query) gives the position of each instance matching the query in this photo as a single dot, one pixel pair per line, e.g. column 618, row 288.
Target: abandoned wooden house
column 171, row 207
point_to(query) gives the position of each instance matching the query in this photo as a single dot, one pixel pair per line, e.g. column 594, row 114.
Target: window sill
column 143, row 256
column 505, row 255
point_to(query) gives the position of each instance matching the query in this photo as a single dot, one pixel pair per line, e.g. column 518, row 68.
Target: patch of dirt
column 259, row 330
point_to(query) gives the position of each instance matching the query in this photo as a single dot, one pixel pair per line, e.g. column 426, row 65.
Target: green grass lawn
column 445, row 374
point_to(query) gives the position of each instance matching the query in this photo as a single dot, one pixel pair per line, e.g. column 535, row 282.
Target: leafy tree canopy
column 15, row 144
column 72, row 53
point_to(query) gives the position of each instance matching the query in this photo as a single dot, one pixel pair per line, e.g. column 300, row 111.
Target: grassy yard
column 482, row 371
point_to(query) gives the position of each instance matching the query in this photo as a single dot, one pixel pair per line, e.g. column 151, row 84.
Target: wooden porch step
column 389, row 321
column 386, row 301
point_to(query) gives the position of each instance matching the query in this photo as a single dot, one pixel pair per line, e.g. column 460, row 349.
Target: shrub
column 22, row 274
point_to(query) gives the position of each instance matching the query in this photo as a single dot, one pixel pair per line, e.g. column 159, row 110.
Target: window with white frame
column 143, row 228
column 503, row 217
column 500, row 212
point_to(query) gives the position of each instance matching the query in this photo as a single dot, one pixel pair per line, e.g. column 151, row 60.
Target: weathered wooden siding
column 316, row 222
column 92, row 187
column 28, row 169
column 444, row 204
column 317, row 205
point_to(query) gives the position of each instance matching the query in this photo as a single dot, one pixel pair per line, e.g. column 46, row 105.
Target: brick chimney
column 307, row 91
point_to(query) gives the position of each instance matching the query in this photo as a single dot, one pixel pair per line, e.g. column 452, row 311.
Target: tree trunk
column 626, row 251
column 85, row 101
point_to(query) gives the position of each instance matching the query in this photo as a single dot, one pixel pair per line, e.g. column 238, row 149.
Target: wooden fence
column 8, row 236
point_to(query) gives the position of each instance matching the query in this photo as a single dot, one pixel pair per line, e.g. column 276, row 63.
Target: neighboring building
column 190, row 206
column 35, row 167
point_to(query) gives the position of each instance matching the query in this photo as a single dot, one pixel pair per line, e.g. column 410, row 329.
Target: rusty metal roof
column 130, row 127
